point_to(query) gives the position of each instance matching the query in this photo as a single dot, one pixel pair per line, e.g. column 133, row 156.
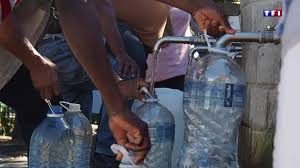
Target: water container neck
column 151, row 100
column 55, row 115
column 55, row 111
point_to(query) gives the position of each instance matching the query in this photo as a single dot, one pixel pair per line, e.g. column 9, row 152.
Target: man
column 16, row 87
column 127, row 129
column 75, row 85
column 149, row 22
column 43, row 76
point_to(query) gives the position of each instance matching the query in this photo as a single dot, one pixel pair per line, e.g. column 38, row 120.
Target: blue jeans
column 137, row 52
column 75, row 85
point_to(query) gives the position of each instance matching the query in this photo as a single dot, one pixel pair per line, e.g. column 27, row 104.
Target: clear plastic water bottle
column 161, row 131
column 81, row 135
column 50, row 142
column 213, row 102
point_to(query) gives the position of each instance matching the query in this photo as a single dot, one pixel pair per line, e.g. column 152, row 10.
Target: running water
column 153, row 73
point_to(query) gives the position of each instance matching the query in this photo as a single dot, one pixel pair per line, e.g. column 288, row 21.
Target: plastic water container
column 81, row 135
column 50, row 142
column 172, row 100
column 213, row 101
column 161, row 129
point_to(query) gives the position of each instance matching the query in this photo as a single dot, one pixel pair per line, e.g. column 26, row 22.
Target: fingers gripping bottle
column 161, row 129
column 50, row 142
column 213, row 102
column 81, row 135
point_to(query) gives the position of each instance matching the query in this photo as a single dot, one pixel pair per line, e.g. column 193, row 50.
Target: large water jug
column 81, row 135
column 161, row 129
column 172, row 100
column 50, row 142
column 213, row 102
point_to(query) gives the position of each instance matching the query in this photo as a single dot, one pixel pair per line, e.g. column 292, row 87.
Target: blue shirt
column 286, row 5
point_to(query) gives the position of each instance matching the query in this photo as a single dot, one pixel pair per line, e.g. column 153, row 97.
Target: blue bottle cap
column 55, row 110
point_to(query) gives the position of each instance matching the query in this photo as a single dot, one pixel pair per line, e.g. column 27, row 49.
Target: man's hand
column 128, row 67
column 131, row 88
column 206, row 13
column 210, row 18
column 132, row 133
column 44, row 78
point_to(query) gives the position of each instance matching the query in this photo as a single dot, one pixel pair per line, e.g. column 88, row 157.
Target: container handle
column 118, row 148
column 218, row 50
column 49, row 105
column 62, row 103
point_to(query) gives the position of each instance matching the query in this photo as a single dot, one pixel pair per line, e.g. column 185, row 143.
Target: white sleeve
column 287, row 137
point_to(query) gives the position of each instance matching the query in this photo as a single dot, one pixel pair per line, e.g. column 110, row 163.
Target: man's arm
column 80, row 24
column 189, row 6
column 112, row 34
column 42, row 71
column 83, row 33
column 206, row 13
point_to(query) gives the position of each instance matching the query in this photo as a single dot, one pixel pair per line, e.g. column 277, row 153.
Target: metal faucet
column 260, row 37
column 267, row 36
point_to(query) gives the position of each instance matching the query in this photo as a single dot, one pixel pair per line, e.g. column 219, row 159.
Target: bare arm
column 79, row 22
column 109, row 26
column 83, row 33
column 111, row 32
column 189, row 6
column 206, row 13
column 13, row 40
column 42, row 71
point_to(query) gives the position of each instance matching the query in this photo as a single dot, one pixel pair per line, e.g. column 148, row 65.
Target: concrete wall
column 261, row 63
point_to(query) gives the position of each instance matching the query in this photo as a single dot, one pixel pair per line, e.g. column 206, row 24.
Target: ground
column 12, row 154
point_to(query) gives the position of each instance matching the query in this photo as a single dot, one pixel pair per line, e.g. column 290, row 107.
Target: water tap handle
column 271, row 28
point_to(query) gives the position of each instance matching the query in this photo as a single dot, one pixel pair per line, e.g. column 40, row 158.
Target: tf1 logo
column 273, row 13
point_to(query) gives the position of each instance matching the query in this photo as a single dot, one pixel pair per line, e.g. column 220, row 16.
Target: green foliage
column 7, row 120
column 95, row 119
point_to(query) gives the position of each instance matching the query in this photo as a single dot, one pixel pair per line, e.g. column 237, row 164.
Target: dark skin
column 85, row 40
column 128, row 67
column 43, row 72
column 206, row 13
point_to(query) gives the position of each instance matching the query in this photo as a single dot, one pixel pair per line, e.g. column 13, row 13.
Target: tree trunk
column 261, row 63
